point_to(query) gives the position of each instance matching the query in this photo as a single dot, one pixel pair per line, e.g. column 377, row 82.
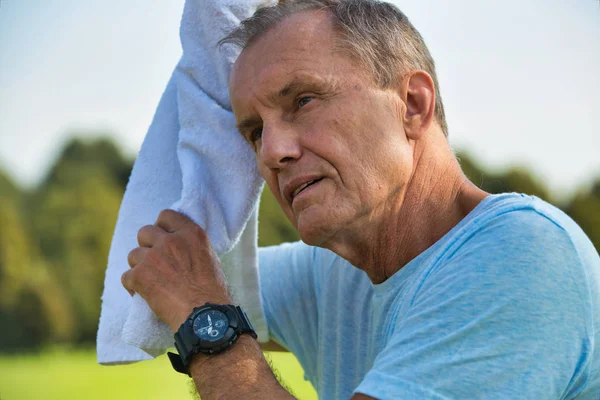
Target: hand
column 175, row 268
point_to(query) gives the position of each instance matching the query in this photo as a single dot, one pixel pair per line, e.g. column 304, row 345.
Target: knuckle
column 144, row 230
column 165, row 214
column 126, row 280
column 198, row 232
column 132, row 257
column 138, row 280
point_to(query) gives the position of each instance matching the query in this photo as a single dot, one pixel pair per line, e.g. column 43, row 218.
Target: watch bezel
column 230, row 335
column 188, row 343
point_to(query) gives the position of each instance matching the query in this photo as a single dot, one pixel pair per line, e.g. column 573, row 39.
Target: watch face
column 210, row 325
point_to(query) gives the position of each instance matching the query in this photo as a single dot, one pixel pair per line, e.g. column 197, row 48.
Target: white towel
column 194, row 161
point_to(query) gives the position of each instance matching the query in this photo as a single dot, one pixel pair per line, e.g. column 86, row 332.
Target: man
column 411, row 281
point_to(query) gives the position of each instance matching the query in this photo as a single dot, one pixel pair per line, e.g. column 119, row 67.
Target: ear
column 418, row 94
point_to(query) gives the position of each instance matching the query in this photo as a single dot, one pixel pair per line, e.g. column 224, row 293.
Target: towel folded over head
column 193, row 161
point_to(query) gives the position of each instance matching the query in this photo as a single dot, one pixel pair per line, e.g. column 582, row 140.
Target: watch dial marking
column 210, row 325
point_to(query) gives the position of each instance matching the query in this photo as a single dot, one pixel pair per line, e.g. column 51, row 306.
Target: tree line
column 55, row 238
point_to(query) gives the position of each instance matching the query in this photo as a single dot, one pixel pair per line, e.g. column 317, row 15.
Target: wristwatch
column 210, row 329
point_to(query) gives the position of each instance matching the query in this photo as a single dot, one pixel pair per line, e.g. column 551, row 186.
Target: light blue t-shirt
column 505, row 306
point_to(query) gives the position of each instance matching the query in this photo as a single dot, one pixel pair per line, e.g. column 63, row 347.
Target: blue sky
column 519, row 79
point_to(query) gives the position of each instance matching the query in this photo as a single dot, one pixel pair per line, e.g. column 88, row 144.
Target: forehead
column 301, row 44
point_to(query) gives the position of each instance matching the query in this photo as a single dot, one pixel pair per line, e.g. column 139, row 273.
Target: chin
column 311, row 240
column 314, row 232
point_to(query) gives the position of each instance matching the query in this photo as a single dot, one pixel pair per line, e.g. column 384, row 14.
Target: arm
column 173, row 282
column 242, row 373
column 175, row 269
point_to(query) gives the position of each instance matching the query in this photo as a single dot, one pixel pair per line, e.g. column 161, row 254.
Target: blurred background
column 79, row 83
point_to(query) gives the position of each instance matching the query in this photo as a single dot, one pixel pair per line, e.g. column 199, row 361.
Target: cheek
column 376, row 158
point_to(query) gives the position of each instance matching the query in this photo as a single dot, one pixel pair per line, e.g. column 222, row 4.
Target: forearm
column 241, row 372
column 175, row 269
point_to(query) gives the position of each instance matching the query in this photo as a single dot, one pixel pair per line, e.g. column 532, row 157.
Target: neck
column 435, row 199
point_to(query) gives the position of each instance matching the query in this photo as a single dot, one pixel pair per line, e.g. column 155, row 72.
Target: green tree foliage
column 25, row 325
column 585, row 210
column 15, row 261
column 514, row 180
column 273, row 225
column 75, row 224
column 74, row 214
column 101, row 153
column 32, row 310
column 14, row 253
column 8, row 189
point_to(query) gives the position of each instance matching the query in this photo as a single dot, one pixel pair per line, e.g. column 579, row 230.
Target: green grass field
column 74, row 374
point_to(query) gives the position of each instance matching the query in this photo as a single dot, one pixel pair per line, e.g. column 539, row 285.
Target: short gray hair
column 375, row 33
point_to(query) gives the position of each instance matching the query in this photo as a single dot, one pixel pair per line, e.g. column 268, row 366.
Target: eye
column 256, row 134
column 302, row 101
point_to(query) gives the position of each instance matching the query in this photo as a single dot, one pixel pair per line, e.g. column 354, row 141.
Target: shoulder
column 521, row 252
column 513, row 227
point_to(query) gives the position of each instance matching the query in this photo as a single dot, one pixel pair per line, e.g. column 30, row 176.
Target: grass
column 73, row 374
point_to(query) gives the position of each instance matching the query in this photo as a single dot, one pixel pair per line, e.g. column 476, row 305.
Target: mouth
column 302, row 187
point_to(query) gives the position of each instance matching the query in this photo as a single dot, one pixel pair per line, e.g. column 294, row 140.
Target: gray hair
column 377, row 34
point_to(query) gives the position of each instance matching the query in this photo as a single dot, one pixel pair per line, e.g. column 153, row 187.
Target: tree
column 73, row 214
column 8, row 189
column 32, row 310
column 101, row 152
column 516, row 179
column 15, row 254
column 273, row 225
column 585, row 210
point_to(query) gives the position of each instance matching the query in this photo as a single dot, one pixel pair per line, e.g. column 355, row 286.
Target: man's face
column 314, row 117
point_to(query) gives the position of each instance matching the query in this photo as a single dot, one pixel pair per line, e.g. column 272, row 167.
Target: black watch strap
column 178, row 365
column 245, row 325
column 184, row 343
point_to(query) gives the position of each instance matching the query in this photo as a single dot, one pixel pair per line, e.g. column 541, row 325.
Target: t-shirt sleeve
column 506, row 315
column 287, row 281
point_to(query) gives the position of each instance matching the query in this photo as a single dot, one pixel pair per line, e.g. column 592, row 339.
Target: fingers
column 136, row 256
column 171, row 221
column 127, row 283
column 148, row 235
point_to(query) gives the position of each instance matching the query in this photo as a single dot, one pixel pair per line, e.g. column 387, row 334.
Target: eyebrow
column 286, row 90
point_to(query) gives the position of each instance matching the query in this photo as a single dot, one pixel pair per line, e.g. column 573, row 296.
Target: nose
column 279, row 146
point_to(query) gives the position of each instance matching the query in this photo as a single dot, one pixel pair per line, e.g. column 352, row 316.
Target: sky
column 519, row 78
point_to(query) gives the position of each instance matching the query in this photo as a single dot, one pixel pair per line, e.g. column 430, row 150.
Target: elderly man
column 411, row 282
